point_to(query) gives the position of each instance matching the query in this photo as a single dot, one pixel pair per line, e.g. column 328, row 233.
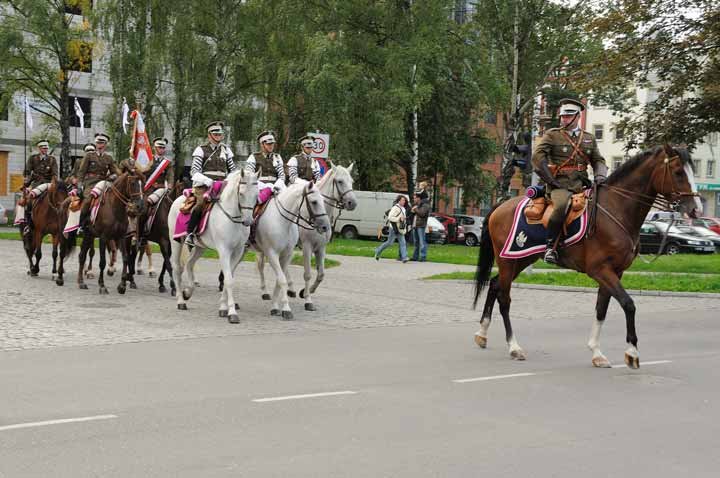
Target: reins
column 297, row 217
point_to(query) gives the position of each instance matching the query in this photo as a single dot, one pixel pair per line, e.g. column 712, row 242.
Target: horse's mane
column 631, row 164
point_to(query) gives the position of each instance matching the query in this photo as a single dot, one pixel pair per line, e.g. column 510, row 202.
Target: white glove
column 199, row 179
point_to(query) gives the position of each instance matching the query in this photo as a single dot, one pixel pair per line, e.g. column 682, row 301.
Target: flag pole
column 25, row 135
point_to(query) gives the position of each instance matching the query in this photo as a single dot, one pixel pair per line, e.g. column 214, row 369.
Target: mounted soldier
column 303, row 165
column 72, row 179
column 212, row 161
column 165, row 177
column 561, row 159
column 41, row 168
column 95, row 167
column 269, row 162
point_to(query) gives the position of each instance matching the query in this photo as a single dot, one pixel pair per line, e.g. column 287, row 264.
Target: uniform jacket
column 94, row 168
column 40, row 170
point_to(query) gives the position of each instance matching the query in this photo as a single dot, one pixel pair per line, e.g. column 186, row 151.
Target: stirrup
column 190, row 240
column 551, row 256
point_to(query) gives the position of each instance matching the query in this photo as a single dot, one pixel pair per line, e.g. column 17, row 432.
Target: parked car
column 651, row 236
column 455, row 232
column 711, row 223
column 472, row 226
column 666, row 216
column 435, row 232
column 701, row 232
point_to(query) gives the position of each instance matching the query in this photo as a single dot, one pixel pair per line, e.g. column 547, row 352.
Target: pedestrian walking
column 397, row 222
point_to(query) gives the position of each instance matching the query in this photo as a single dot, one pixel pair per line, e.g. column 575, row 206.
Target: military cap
column 102, row 138
column 266, row 136
column 569, row 106
column 307, row 141
column 216, row 127
column 43, row 143
column 89, row 147
column 160, row 142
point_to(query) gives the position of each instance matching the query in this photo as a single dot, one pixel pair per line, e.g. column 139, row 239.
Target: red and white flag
column 156, row 174
column 140, row 149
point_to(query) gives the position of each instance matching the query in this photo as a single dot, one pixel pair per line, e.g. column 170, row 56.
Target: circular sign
column 319, row 146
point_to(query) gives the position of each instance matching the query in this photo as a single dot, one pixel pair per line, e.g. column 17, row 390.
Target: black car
column 651, row 236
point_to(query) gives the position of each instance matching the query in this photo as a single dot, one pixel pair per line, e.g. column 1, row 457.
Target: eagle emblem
column 520, row 239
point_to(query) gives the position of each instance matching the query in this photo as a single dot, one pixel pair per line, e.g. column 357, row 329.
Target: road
column 383, row 380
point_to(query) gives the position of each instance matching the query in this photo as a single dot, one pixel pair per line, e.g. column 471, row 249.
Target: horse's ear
column 349, row 168
column 329, row 161
column 669, row 152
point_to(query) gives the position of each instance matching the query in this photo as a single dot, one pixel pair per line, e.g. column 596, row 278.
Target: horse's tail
column 486, row 258
column 67, row 244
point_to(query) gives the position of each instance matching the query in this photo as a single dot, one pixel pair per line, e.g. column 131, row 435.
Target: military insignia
column 520, row 239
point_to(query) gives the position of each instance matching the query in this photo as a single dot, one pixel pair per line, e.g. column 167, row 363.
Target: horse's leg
column 221, row 281
column 86, row 244
column 307, row 275
column 122, row 287
column 176, row 271
column 196, row 253
column 508, row 272
column 603, row 300
column 38, row 256
column 260, row 262
column 55, row 244
column 29, row 248
column 167, row 267
column 148, row 254
column 280, row 291
column 101, row 265
column 139, row 268
column 482, row 334
column 65, row 245
column 320, row 267
column 610, row 280
column 290, row 287
column 227, row 301
column 89, row 273
column 113, row 259
column 132, row 251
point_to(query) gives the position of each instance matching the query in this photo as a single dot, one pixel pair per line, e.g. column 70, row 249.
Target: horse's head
column 672, row 178
column 343, row 187
column 315, row 205
column 246, row 187
column 130, row 186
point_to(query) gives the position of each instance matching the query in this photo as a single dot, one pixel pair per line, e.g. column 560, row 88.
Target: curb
column 593, row 290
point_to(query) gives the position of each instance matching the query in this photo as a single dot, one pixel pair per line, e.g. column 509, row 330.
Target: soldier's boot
column 194, row 222
column 554, row 229
column 28, row 218
column 85, row 214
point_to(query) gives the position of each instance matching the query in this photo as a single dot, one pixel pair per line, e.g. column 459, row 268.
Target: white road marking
column 642, row 364
column 493, row 377
column 56, row 422
column 307, row 395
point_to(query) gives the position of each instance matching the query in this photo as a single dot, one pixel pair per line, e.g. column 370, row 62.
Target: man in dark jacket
column 421, row 211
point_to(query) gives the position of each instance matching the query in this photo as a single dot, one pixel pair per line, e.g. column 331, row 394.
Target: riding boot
column 193, row 223
column 85, row 214
column 28, row 218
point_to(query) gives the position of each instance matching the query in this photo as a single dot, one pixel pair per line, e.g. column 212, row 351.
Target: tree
column 671, row 48
column 44, row 50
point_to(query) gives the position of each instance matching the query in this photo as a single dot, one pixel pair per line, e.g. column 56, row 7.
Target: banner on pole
column 140, row 149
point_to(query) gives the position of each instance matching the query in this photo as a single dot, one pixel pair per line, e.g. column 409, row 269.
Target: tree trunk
column 65, row 155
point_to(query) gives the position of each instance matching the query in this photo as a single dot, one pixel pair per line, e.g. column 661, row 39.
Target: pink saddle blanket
column 183, row 218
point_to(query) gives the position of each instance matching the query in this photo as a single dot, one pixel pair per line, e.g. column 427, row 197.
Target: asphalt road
column 229, row 406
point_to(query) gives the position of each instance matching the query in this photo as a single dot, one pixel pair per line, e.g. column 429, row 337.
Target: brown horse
column 121, row 200
column 159, row 234
column 662, row 176
column 47, row 218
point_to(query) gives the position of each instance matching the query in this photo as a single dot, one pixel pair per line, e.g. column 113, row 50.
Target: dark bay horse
column 121, row 199
column 47, row 218
column 662, row 176
column 159, row 234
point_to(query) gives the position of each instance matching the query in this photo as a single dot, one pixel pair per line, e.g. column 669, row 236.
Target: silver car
column 472, row 226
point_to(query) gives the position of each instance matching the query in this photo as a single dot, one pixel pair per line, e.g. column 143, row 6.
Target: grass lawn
column 675, row 282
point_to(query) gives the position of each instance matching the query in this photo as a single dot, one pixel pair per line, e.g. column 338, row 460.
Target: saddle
column 539, row 209
column 190, row 202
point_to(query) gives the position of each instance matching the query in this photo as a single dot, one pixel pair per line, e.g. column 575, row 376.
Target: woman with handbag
column 397, row 222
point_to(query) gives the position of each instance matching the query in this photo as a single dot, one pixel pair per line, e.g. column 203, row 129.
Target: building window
column 599, row 131
column 80, row 56
column 75, row 7
column 710, row 171
column 616, row 162
column 86, row 105
column 696, row 167
column 619, row 133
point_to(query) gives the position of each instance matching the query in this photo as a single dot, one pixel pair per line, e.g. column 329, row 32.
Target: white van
column 367, row 217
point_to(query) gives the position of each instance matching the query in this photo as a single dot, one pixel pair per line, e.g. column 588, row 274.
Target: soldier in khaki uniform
column 41, row 168
column 167, row 177
column 96, row 166
column 303, row 165
column 561, row 159
column 212, row 161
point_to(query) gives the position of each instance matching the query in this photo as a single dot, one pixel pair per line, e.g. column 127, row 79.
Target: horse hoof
column 133, row 285
column 302, row 293
column 601, row 362
column 481, row 341
column 186, row 294
column 182, row 306
column 518, row 354
column 83, row 286
column 266, row 297
column 291, row 293
column 151, row 274
column 139, row 272
column 233, row 319
column 60, row 282
column 162, row 289
column 287, row 315
column 121, row 289
column 222, row 313
column 632, row 362
column 90, row 275
column 33, row 274
column 310, row 307
column 173, row 292
column 275, row 312
column 110, row 272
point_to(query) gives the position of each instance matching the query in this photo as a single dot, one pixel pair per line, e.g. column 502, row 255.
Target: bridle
column 296, row 218
column 128, row 198
column 332, row 201
column 238, row 219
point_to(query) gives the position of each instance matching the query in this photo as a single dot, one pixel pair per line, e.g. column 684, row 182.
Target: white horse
column 227, row 232
column 300, row 204
column 336, row 189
